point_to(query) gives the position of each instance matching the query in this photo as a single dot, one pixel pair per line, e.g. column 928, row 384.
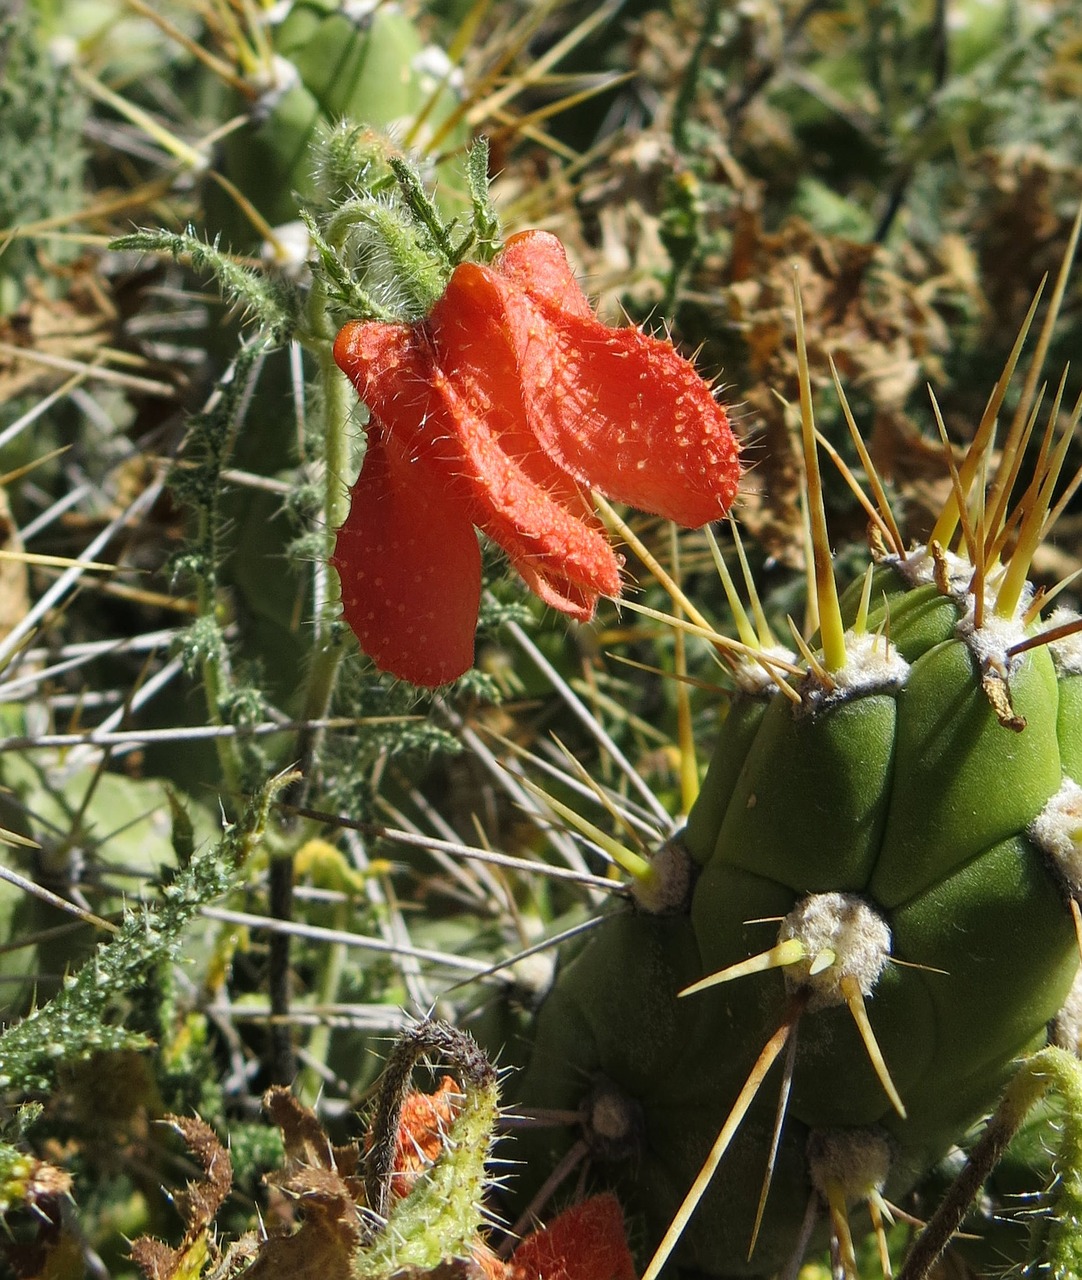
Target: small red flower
column 586, row 1242
column 501, row 410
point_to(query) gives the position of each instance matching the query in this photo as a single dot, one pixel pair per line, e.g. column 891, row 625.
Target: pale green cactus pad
column 884, row 858
column 326, row 63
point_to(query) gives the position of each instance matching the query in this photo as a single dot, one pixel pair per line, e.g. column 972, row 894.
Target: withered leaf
column 200, row 1201
column 998, row 692
column 862, row 310
column 317, row 1176
column 306, row 1142
column 321, row 1248
column 197, row 1205
column 77, row 327
column 155, row 1259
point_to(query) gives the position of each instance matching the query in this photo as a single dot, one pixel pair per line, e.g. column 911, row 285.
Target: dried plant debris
column 408, row 1201
column 197, row 1204
column 418, row 1204
column 322, row 1197
column 882, row 331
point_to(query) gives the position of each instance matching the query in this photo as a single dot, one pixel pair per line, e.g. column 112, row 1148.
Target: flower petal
column 556, row 591
column 619, row 410
column 410, row 567
column 586, row 1242
column 536, row 261
column 463, row 417
column 520, row 498
column 630, row 402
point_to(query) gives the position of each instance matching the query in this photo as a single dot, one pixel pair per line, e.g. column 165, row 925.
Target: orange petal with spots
column 558, row 592
column 410, row 567
column 537, row 263
column 616, row 409
column 463, row 418
column 523, row 501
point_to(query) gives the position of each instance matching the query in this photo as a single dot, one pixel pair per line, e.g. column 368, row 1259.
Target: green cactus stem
column 884, row 858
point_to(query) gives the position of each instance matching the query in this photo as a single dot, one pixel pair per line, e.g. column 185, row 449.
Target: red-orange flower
column 586, row 1242
column 501, row 410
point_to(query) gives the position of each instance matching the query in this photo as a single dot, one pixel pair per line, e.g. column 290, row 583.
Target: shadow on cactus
column 832, row 971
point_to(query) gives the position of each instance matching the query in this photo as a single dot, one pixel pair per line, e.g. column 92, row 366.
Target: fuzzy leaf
column 270, row 301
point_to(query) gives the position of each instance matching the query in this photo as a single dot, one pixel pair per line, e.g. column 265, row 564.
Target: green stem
column 214, row 683
column 689, row 85
column 338, row 401
column 327, row 649
column 219, row 443
column 310, row 1083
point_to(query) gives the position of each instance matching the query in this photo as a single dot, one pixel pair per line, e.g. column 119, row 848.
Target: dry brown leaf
column 317, row 1180
column 1018, row 228
column 881, row 330
column 200, row 1201
column 770, row 492
column 197, row 1203
column 306, row 1142
column 328, row 1235
column 74, row 328
column 320, row 1249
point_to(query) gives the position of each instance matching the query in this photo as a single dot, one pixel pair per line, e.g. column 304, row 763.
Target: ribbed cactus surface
column 883, row 858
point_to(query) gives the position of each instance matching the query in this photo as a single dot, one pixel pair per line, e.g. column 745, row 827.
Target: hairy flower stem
column 337, row 402
column 1050, row 1068
column 327, row 649
column 216, row 432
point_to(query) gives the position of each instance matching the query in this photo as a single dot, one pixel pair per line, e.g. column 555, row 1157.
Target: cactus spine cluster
column 884, row 862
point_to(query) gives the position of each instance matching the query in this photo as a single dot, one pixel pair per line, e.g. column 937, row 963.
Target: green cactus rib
column 983, row 949
column 917, row 792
